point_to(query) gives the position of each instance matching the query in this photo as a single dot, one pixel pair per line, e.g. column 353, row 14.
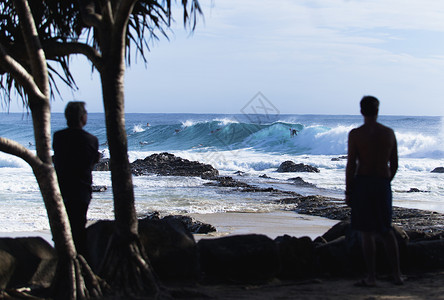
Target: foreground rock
column 289, row 166
column 171, row 249
column 167, row 164
column 240, row 258
column 191, row 224
column 28, row 261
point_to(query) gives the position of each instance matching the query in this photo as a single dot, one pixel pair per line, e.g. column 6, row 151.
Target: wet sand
column 271, row 224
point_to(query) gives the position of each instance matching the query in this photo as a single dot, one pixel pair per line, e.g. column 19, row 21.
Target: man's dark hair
column 74, row 111
column 369, row 106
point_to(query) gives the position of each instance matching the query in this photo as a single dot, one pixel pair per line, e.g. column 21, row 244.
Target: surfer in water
column 293, row 132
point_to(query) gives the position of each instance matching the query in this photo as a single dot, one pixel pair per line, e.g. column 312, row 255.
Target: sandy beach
column 272, row 224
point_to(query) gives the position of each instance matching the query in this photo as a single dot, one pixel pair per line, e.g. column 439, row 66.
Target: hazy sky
column 306, row 57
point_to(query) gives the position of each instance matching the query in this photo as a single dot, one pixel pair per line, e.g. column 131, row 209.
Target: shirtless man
column 372, row 163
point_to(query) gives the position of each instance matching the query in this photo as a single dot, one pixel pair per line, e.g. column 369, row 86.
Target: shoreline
column 271, row 224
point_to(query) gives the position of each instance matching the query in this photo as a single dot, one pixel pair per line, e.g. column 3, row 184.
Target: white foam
column 11, row 161
column 139, row 128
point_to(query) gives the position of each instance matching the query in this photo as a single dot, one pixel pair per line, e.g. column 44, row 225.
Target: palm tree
column 74, row 279
column 111, row 28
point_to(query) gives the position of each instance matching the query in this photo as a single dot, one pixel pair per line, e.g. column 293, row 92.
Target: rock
column 7, row 266
column 239, row 258
column 296, row 256
column 191, row 224
column 240, row 173
column 299, row 181
column 227, row 181
column 170, row 248
column 414, row 190
column 339, row 158
column 102, row 165
column 99, row 188
column 338, row 230
column 264, row 176
column 438, row 170
column 167, row 164
column 424, row 256
column 35, row 261
column 289, row 166
column 334, row 258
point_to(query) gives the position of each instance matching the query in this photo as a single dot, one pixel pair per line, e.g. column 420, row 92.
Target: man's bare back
column 373, row 150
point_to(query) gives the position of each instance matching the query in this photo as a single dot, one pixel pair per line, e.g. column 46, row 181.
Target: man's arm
column 350, row 169
column 394, row 158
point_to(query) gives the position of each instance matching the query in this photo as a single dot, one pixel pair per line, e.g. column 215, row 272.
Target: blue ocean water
column 253, row 144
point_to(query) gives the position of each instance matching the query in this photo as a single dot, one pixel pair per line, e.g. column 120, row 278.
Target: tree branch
column 19, row 73
column 89, row 16
column 16, row 149
column 121, row 17
column 33, row 46
column 57, row 49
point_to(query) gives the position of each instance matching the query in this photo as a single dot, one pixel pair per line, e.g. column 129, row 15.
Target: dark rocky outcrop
column 191, row 224
column 33, row 261
column 7, row 266
column 438, row 170
column 99, row 188
column 296, row 256
column 239, row 258
column 264, row 176
column 289, row 166
column 170, row 248
column 415, row 190
column 167, row 164
column 301, row 182
column 339, row 158
column 102, row 165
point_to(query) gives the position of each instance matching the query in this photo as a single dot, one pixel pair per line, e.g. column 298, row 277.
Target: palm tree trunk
column 74, row 278
column 125, row 266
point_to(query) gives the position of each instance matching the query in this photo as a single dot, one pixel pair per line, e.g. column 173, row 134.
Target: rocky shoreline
column 243, row 259
column 419, row 223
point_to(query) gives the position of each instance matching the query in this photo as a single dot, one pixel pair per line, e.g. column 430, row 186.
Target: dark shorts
column 371, row 204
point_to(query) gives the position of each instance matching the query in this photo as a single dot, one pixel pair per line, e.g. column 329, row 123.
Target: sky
column 303, row 56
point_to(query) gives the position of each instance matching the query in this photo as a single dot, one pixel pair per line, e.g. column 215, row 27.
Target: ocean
column 251, row 144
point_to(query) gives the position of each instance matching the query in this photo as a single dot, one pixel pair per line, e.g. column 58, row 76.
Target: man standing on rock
column 372, row 163
column 75, row 153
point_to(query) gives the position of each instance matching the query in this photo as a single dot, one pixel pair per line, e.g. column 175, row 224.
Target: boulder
column 424, row 256
column 438, row 170
column 102, row 165
column 341, row 228
column 99, row 188
column 167, row 164
column 289, row 166
column 192, row 225
column 7, row 266
column 301, row 182
column 339, row 158
column 342, row 256
column 239, row 258
column 170, row 248
column 296, row 256
column 35, row 261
